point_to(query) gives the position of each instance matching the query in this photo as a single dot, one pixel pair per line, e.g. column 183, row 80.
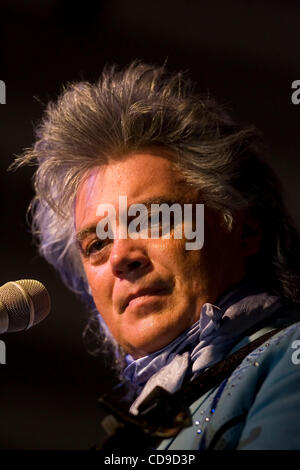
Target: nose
column 127, row 258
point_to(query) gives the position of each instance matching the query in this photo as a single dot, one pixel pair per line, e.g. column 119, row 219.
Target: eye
column 163, row 226
column 94, row 247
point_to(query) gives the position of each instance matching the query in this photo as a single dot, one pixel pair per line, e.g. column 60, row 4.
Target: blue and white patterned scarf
column 205, row 343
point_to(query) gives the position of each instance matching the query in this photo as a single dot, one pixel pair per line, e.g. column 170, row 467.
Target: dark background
column 246, row 53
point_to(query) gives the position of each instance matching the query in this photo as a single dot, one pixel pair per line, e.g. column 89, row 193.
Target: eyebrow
column 91, row 229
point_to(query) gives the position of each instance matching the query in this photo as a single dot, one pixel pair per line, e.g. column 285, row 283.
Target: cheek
column 173, row 256
column 101, row 286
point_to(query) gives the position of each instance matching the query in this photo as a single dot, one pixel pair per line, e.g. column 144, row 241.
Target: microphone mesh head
column 26, row 301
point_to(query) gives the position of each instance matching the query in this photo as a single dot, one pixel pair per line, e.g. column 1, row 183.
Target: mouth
column 144, row 294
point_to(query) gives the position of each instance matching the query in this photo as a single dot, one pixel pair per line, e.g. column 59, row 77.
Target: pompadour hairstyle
column 145, row 107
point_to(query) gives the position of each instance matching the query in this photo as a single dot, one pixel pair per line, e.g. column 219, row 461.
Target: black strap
column 216, row 374
column 162, row 414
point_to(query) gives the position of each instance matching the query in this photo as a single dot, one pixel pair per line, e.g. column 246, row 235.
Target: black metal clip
column 161, row 415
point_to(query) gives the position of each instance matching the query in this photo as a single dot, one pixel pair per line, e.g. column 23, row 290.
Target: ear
column 251, row 234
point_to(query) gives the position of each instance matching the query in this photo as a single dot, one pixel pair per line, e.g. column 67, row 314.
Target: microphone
column 23, row 304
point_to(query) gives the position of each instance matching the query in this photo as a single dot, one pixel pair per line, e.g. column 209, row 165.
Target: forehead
column 138, row 176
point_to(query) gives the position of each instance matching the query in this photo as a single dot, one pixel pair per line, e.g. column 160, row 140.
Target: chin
column 141, row 349
column 150, row 333
column 146, row 346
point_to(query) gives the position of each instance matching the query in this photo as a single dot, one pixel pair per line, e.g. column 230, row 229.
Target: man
column 168, row 313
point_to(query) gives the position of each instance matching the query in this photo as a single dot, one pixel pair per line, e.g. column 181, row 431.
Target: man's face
column 149, row 291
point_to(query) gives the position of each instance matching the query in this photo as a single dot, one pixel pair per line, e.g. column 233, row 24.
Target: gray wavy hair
column 144, row 107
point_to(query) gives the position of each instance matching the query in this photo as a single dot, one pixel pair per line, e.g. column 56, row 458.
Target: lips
column 142, row 292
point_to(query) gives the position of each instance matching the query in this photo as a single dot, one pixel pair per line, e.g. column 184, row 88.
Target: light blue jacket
column 257, row 407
